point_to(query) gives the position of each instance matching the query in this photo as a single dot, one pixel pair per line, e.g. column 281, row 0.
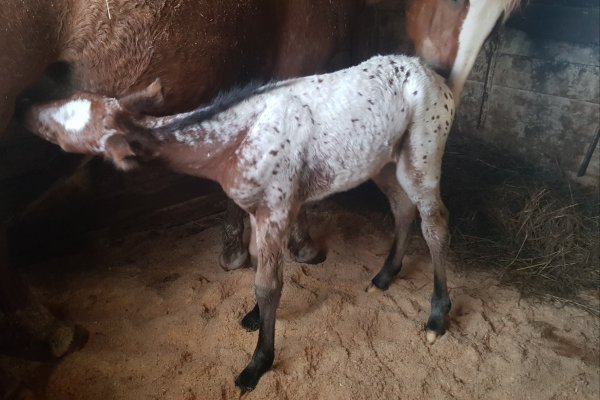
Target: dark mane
column 222, row 102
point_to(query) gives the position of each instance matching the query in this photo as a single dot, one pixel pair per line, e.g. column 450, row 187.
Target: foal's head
column 90, row 123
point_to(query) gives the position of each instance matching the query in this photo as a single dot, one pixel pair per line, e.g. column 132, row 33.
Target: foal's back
column 328, row 133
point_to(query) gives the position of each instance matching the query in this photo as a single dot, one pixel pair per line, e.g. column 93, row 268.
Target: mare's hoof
column 41, row 326
column 62, row 340
column 373, row 289
column 230, row 262
column 308, row 255
column 318, row 259
column 67, row 339
column 251, row 321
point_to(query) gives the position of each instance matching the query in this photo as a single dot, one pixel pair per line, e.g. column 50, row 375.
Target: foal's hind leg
column 404, row 214
column 421, row 183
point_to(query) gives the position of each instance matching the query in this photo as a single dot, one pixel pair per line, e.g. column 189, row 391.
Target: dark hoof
column 246, row 381
column 62, row 340
column 384, row 278
column 310, row 256
column 436, row 324
column 230, row 262
column 250, row 376
column 80, row 338
column 381, row 282
column 318, row 259
column 251, row 321
column 435, row 328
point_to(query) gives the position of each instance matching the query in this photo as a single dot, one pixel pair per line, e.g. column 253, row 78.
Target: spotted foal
column 278, row 146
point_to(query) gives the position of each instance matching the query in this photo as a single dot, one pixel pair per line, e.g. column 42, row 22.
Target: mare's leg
column 251, row 320
column 20, row 306
column 404, row 214
column 421, row 182
column 301, row 246
column 271, row 228
column 234, row 253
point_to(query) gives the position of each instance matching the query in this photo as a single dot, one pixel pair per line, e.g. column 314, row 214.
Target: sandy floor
column 163, row 323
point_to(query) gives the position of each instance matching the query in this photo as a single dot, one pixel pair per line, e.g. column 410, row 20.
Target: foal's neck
column 204, row 149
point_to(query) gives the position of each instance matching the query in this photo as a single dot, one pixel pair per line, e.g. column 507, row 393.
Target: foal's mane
column 222, row 102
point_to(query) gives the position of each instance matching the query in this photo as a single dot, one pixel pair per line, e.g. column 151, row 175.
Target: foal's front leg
column 302, row 249
column 271, row 228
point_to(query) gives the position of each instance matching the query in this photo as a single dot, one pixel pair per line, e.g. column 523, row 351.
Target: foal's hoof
column 251, row 321
column 230, row 262
column 246, row 381
column 434, row 329
column 249, row 377
column 431, row 337
column 379, row 283
column 373, row 289
column 308, row 255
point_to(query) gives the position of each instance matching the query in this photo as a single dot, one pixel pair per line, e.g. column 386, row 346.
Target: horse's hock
column 133, row 258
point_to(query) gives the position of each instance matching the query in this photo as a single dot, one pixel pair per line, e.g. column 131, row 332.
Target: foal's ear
column 144, row 101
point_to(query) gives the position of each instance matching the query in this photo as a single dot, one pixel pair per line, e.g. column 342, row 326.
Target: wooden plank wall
column 535, row 90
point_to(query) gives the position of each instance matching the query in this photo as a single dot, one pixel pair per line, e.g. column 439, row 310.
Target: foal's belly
column 348, row 174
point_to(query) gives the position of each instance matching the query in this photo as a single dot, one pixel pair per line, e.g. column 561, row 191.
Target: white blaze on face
column 74, row 115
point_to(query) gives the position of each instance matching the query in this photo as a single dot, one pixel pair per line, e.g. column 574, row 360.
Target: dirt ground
column 163, row 322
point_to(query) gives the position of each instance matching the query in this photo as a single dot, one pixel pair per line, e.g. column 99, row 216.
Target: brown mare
column 197, row 48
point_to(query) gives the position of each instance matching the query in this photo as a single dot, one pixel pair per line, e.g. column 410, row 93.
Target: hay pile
column 532, row 225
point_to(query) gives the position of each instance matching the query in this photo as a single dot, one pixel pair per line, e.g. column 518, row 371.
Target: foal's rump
column 343, row 127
